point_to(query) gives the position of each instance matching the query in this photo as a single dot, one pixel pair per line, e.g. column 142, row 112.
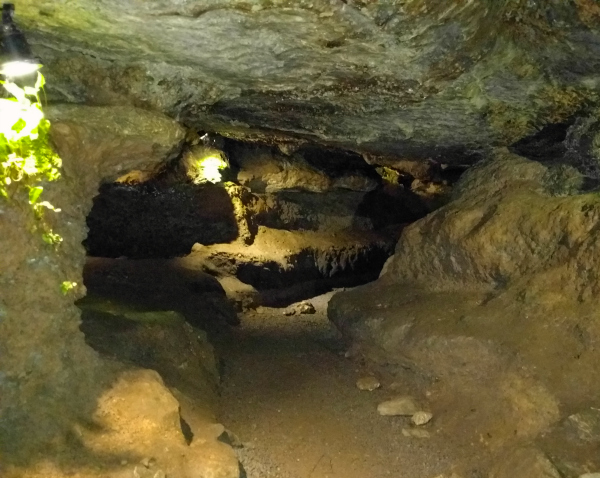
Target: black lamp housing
column 13, row 44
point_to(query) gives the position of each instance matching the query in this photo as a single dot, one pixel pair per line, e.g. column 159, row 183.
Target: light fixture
column 16, row 58
column 209, row 169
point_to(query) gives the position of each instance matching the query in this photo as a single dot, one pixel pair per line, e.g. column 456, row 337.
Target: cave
column 310, row 239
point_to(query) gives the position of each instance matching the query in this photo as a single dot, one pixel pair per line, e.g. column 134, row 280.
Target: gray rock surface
column 419, row 78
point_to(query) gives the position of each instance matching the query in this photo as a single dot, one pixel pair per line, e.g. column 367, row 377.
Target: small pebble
column 421, row 418
column 415, row 433
column 289, row 312
column 307, row 308
column 124, row 462
column 400, row 406
column 368, row 383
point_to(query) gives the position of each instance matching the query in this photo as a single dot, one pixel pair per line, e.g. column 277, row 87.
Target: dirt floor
column 290, row 399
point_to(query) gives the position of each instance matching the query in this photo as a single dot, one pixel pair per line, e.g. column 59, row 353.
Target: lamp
column 16, row 58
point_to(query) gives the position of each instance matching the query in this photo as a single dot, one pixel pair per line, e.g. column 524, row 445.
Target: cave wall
column 493, row 301
column 49, row 378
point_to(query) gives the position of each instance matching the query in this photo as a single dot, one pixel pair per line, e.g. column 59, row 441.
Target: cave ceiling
column 417, row 78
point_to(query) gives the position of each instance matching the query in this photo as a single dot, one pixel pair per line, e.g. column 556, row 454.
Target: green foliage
column 67, row 286
column 26, row 158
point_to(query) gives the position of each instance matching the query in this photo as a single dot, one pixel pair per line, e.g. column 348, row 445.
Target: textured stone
column 368, row 383
column 505, row 270
column 39, row 334
column 423, row 79
column 421, row 418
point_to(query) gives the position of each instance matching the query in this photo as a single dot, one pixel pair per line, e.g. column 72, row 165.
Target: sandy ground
column 289, row 395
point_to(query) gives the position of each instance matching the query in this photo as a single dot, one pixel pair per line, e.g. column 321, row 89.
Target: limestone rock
column 286, row 266
column 95, row 144
column 161, row 285
column 111, row 140
column 573, row 443
column 490, row 275
column 307, row 308
column 405, row 67
column 421, row 418
column 369, row 383
column 399, row 406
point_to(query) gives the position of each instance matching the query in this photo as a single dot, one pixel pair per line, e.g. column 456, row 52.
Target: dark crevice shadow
column 151, row 220
column 188, row 434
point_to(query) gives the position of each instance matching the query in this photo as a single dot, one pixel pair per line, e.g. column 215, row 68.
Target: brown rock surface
column 494, row 299
column 55, row 390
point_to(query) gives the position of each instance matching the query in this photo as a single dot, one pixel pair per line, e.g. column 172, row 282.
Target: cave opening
column 246, row 267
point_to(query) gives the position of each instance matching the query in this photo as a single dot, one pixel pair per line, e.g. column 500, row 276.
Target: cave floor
column 289, row 396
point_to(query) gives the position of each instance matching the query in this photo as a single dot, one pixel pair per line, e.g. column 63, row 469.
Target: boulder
column 51, row 380
column 492, row 296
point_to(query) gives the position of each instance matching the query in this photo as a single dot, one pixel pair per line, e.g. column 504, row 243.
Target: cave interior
column 309, row 239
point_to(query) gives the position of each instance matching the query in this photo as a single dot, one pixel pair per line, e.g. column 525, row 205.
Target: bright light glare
column 208, row 168
column 13, row 69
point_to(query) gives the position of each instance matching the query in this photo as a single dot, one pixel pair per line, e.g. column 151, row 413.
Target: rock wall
column 50, row 380
column 493, row 300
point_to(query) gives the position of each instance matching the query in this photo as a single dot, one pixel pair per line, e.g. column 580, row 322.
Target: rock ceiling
column 420, row 78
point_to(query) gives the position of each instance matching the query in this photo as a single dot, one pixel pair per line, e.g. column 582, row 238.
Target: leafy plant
column 67, row 286
column 26, row 158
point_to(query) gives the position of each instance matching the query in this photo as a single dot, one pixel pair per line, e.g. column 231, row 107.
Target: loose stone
column 307, row 308
column 368, row 383
column 401, row 406
column 421, row 418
